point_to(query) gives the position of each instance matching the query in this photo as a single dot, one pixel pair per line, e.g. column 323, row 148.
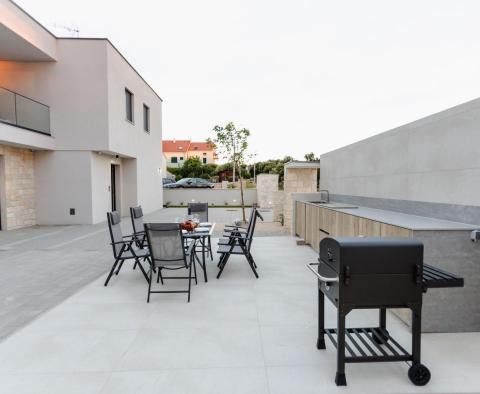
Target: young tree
column 232, row 145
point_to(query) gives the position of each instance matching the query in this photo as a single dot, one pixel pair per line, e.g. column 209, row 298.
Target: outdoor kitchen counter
column 447, row 246
column 411, row 222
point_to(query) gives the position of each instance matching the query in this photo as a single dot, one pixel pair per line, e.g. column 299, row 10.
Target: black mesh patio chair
column 123, row 247
column 136, row 214
column 239, row 244
column 229, row 229
column 201, row 210
column 168, row 252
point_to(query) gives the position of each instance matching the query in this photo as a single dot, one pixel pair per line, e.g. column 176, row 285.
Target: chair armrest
column 122, row 242
column 239, row 237
column 235, row 227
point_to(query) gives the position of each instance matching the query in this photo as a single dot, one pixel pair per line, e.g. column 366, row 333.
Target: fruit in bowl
column 189, row 225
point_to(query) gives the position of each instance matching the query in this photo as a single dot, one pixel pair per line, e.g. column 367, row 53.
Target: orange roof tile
column 185, row 146
column 202, row 146
column 176, row 145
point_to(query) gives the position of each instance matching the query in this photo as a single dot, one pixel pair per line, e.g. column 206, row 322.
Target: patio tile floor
column 237, row 335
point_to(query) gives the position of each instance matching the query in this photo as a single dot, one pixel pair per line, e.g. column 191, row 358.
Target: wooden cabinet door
column 328, row 222
column 315, row 227
column 308, row 224
column 387, row 230
column 300, row 219
column 347, row 225
column 368, row 228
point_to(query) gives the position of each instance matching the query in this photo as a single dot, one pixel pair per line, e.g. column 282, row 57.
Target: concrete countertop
column 412, row 222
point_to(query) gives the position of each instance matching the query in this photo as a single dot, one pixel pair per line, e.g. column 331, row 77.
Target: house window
column 204, row 160
column 181, row 158
column 173, row 159
column 129, row 105
column 146, row 118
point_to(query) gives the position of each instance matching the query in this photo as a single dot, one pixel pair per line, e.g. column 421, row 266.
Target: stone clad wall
column 18, row 188
column 266, row 185
column 268, row 195
column 297, row 180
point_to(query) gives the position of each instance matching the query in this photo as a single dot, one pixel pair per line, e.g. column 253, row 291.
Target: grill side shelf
column 434, row 278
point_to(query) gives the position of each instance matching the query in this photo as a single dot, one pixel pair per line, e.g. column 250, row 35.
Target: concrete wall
column 63, row 180
column 131, row 140
column 75, row 89
column 101, row 179
column 212, row 196
column 432, row 164
column 85, row 90
column 31, row 41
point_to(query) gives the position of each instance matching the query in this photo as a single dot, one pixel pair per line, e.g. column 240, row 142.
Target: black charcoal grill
column 374, row 273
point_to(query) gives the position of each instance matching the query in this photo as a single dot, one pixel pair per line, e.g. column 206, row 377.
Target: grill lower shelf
column 369, row 344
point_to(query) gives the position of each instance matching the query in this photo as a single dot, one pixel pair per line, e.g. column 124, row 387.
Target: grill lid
column 372, row 255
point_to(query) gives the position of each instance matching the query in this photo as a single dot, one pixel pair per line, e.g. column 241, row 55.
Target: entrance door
column 113, row 189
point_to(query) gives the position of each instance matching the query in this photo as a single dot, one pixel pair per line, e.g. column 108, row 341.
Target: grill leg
column 416, row 333
column 321, row 320
column 340, row 379
column 383, row 318
column 383, row 327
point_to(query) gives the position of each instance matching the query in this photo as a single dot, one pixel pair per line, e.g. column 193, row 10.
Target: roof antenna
column 73, row 30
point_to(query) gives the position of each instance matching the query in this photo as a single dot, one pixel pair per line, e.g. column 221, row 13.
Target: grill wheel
column 419, row 374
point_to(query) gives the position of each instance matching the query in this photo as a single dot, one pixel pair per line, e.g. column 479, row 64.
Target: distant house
column 175, row 152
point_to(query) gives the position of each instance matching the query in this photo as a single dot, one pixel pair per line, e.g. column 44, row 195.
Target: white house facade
column 80, row 129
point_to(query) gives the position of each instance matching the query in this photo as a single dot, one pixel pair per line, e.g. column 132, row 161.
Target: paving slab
column 237, row 335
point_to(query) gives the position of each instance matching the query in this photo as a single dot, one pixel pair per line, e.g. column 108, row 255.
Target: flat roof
column 302, row 164
column 87, row 38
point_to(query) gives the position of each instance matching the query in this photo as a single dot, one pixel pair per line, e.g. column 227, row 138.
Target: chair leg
column 189, row 281
column 142, row 269
column 224, row 263
column 160, row 275
column 119, row 267
column 252, row 264
column 149, row 284
column 192, row 261
column 135, row 265
column 210, row 246
column 111, row 272
column 222, row 256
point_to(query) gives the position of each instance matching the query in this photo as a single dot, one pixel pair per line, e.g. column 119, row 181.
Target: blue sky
column 301, row 75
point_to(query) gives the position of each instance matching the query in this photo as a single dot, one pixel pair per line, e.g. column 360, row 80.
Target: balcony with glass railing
column 21, row 111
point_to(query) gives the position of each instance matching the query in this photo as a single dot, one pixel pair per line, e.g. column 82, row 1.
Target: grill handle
column 320, row 277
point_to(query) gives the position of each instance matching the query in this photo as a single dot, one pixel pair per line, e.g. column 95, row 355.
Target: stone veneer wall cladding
column 297, row 180
column 19, row 187
column 268, row 195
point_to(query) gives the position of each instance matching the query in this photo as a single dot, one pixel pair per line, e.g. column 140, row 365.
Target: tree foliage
column 194, row 168
column 271, row 167
column 311, row 157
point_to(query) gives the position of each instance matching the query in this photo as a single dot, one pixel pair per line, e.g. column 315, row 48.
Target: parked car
column 190, row 183
column 167, row 181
